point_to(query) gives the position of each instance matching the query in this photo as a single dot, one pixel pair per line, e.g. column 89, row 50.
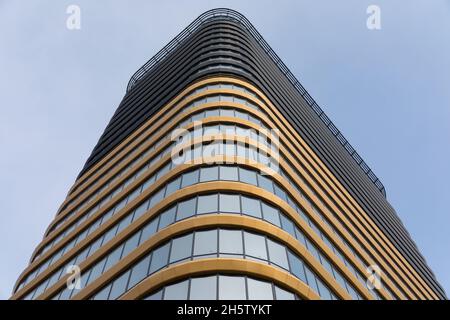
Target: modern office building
column 219, row 177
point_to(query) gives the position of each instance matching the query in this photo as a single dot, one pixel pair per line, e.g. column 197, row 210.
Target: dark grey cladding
column 222, row 34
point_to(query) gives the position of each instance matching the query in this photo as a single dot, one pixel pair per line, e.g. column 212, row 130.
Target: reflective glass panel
column 230, row 241
column 177, row 291
column 259, row 290
column 203, row 288
column 232, row 288
column 205, row 242
column 255, row 245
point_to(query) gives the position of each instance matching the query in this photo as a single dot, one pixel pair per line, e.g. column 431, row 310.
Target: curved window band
column 213, row 173
column 277, row 191
column 223, row 243
column 221, row 287
column 190, row 94
column 202, row 114
column 214, row 111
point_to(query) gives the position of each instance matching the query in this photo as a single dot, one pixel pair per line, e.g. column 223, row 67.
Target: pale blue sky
column 387, row 90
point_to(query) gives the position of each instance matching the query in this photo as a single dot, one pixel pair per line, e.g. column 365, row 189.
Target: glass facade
column 222, row 287
column 145, row 192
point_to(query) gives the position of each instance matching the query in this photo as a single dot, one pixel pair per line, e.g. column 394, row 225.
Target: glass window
column 119, row 286
column 55, row 276
column 228, row 173
column 139, row 271
column 205, row 242
column 229, row 148
column 177, row 291
column 297, row 267
column 247, row 176
column 313, row 250
column 212, row 130
column 81, row 257
column 282, row 294
column 105, row 218
column 131, row 244
column 97, row 270
column 212, row 113
column 155, row 296
column 149, row 230
column 241, row 115
column 241, row 150
column 300, row 236
column 203, row 288
column 323, row 291
column 232, row 288
column 259, row 290
column 120, row 205
column 159, row 258
column 265, row 183
column 287, row 225
column 113, row 257
column 326, row 264
column 209, row 174
column 353, row 293
column 181, row 248
column 251, row 207
column 280, row 193
column 134, row 194
column 173, row 186
column 65, row 295
column 215, row 98
column 229, row 203
column 167, row 218
column 311, row 279
column 81, row 236
column 227, row 112
column 197, row 116
column 255, row 245
column 156, row 198
column 340, row 279
column 125, row 222
column 277, row 254
column 40, row 289
column 92, row 228
column 190, row 178
column 186, row 209
column 207, row 204
column 271, row 214
column 103, row 295
column 140, row 210
column 230, row 241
